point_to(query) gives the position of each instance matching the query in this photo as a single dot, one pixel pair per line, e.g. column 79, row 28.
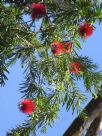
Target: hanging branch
column 51, row 79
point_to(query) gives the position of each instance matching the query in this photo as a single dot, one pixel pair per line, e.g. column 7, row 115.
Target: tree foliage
column 48, row 80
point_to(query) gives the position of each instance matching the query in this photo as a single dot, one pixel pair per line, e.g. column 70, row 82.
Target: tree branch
column 94, row 128
column 93, row 109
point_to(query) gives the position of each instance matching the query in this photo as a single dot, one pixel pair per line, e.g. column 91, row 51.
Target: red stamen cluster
column 57, row 48
column 38, row 10
column 85, row 30
column 75, row 68
column 68, row 47
column 27, row 106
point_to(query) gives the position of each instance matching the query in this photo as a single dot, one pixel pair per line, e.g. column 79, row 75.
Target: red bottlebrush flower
column 27, row 106
column 57, row 48
column 75, row 68
column 68, row 47
column 85, row 30
column 38, row 10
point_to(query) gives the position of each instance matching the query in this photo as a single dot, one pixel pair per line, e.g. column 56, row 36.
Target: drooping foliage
column 51, row 73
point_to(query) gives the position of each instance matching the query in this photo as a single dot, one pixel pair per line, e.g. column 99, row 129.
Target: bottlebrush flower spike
column 57, row 48
column 27, row 106
column 38, row 10
column 68, row 47
column 75, row 68
column 85, row 30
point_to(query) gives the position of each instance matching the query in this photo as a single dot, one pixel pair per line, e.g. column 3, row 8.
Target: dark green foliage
column 48, row 80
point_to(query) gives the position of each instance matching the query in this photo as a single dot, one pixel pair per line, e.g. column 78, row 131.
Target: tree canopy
column 46, row 37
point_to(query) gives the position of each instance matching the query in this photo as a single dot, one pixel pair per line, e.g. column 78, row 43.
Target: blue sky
column 10, row 116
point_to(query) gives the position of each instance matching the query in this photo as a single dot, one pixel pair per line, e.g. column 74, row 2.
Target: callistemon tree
column 45, row 36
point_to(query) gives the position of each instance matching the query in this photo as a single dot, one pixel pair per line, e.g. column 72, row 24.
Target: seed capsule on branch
column 75, row 68
column 57, row 48
column 85, row 30
column 38, row 10
column 67, row 47
column 27, row 106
